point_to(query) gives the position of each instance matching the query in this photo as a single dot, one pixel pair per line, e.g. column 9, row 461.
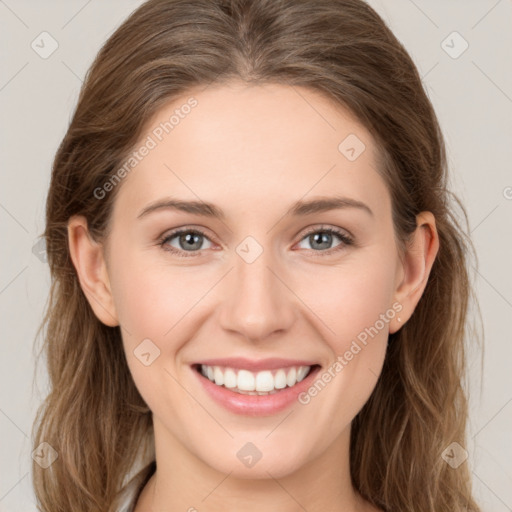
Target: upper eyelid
column 326, row 227
column 186, row 229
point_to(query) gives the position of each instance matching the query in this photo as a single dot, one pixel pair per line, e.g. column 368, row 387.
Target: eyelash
column 346, row 241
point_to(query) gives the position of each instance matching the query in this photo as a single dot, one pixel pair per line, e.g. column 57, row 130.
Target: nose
column 258, row 302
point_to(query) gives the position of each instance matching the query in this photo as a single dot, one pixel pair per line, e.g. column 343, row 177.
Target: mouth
column 263, row 390
column 261, row 383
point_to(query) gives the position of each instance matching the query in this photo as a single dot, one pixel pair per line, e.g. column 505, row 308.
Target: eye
column 187, row 240
column 321, row 238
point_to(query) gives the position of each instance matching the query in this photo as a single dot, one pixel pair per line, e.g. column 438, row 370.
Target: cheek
column 350, row 298
column 357, row 306
column 353, row 303
column 153, row 302
column 151, row 297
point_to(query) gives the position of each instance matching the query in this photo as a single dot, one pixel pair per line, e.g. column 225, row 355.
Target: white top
column 134, row 482
column 130, row 495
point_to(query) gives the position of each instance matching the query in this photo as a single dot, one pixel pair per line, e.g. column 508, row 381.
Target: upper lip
column 256, row 364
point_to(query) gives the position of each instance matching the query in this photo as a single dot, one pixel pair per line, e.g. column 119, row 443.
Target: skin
column 253, row 151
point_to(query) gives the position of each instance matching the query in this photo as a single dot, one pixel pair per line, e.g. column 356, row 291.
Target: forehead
column 240, row 145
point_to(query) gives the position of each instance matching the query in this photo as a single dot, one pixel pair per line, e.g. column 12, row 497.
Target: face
column 265, row 286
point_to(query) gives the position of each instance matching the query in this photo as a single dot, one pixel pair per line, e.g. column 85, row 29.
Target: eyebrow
column 300, row 208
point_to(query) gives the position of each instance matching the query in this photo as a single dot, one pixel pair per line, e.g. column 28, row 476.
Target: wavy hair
column 93, row 415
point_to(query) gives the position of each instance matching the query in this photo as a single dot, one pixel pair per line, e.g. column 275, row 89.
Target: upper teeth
column 259, row 382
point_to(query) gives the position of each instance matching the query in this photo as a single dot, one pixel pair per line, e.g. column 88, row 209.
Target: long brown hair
column 93, row 416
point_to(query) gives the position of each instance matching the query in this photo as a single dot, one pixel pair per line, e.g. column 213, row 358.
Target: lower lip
column 256, row 405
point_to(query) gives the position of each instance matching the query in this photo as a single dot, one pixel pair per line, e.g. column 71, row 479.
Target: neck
column 184, row 482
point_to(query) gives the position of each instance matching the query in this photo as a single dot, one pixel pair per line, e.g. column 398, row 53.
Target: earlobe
column 89, row 261
column 418, row 261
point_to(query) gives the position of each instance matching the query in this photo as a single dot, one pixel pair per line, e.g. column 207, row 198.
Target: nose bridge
column 257, row 303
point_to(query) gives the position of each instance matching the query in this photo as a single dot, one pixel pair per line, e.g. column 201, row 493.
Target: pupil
column 318, row 237
column 190, row 239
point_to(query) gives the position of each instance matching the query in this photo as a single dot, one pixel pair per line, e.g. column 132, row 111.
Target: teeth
column 280, row 379
column 264, row 381
column 230, row 379
column 301, row 373
column 260, row 383
column 245, row 381
column 218, row 376
column 291, row 378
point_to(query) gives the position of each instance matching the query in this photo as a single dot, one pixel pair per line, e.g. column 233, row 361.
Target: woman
column 259, row 287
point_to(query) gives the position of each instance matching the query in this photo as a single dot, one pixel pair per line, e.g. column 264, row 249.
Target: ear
column 89, row 261
column 416, row 266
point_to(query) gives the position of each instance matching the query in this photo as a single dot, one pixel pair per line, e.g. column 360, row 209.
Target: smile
column 266, row 382
column 255, row 388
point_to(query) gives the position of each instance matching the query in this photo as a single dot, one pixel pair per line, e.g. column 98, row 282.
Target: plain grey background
column 468, row 77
